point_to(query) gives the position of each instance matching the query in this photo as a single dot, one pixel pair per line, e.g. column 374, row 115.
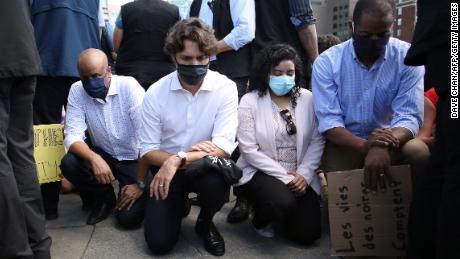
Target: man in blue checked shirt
column 368, row 103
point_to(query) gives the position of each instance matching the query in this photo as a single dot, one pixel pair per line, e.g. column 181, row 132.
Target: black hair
column 380, row 8
column 326, row 41
column 266, row 60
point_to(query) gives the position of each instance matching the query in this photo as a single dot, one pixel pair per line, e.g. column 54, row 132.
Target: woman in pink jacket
column 280, row 147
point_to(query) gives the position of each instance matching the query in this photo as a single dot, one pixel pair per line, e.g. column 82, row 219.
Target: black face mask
column 192, row 74
column 367, row 48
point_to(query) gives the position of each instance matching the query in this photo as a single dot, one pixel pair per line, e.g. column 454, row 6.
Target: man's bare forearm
column 308, row 38
column 343, row 137
column 222, row 47
column 81, row 149
column 158, row 157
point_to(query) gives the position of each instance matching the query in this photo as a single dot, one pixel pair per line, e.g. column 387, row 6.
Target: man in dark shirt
column 436, row 201
column 139, row 37
column 22, row 227
column 291, row 22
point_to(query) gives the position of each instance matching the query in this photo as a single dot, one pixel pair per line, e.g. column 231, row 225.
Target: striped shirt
column 347, row 94
column 113, row 125
column 301, row 13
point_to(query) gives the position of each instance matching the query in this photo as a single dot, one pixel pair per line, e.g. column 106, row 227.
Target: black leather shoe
column 101, row 211
column 240, row 212
column 213, row 241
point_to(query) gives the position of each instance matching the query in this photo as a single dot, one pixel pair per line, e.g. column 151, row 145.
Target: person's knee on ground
column 133, row 217
column 161, row 233
column 159, row 244
column 306, row 235
column 128, row 220
column 274, row 210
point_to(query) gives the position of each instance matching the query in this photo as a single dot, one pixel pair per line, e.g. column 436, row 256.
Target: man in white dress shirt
column 108, row 107
column 186, row 115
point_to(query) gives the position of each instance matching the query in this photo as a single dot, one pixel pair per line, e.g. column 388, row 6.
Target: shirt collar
column 113, row 88
column 206, row 86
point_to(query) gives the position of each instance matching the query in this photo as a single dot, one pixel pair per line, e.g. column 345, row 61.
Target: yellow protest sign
column 49, row 150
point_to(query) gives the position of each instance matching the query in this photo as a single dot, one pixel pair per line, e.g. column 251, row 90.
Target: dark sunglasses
column 290, row 126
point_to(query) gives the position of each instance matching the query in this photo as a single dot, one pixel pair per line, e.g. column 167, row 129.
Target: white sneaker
column 268, row 231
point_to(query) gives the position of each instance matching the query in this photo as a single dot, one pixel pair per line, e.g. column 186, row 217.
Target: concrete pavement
column 73, row 239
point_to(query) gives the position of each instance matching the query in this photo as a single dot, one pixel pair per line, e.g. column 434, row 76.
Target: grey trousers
column 22, row 222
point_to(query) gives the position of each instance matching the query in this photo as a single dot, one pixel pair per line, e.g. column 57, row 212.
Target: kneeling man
column 368, row 103
column 108, row 106
column 186, row 115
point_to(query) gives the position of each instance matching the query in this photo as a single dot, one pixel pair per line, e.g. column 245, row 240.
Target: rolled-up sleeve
column 226, row 122
column 75, row 124
column 150, row 131
column 325, row 96
column 301, row 13
column 407, row 106
column 244, row 23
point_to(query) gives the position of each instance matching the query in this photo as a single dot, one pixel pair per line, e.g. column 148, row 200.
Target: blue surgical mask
column 281, row 85
column 95, row 87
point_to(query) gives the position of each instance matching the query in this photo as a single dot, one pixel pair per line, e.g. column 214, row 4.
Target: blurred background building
column 333, row 15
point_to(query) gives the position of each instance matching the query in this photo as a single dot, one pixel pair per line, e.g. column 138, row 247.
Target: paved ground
column 72, row 238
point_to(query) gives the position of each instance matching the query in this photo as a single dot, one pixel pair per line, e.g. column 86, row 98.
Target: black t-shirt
column 19, row 54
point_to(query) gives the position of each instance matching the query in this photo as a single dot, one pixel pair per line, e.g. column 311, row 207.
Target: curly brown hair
column 192, row 29
column 266, row 60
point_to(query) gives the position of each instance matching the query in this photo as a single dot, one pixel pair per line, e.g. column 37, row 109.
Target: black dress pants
column 163, row 217
column 51, row 94
column 274, row 202
column 78, row 171
column 22, row 222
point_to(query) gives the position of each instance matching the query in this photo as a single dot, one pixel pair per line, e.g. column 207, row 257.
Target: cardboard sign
column 48, row 151
column 366, row 224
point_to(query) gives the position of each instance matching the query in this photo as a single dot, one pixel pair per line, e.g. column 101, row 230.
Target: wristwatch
column 141, row 184
column 183, row 158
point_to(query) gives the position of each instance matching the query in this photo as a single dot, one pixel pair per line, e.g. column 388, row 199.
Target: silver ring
column 382, row 174
column 161, row 185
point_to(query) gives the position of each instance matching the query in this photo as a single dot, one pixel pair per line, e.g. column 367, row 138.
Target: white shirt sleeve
column 151, row 125
column 137, row 94
column 75, row 124
column 244, row 23
column 226, row 122
column 100, row 16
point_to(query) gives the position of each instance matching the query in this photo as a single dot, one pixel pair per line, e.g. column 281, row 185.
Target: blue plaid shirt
column 347, row 94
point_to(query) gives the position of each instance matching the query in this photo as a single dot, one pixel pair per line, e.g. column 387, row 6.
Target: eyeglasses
column 290, row 126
